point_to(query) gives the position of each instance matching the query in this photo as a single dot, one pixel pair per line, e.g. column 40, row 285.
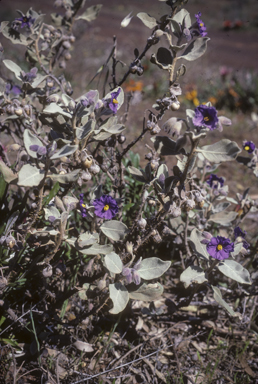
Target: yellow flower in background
column 213, row 100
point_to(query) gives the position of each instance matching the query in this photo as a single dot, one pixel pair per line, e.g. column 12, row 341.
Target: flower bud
column 121, row 139
column 18, row 111
column 152, row 202
column 175, row 105
column 158, row 33
column 94, row 168
column 67, row 56
column 62, row 64
column 48, row 271
column 10, row 241
column 72, row 38
column 86, row 176
column 154, row 164
column 66, row 45
column 142, row 223
column 155, row 130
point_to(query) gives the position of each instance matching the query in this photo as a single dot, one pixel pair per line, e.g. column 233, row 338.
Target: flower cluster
column 201, row 26
column 206, row 117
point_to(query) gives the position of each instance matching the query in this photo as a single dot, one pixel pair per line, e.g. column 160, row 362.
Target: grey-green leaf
column 7, row 173
column 113, row 263
column 218, row 297
column 164, row 145
column 51, row 211
column 224, row 150
column 235, row 271
column 196, row 245
column 66, row 178
column 152, row 268
column 195, row 49
column 54, row 108
column 223, row 218
column 66, row 150
column 193, row 274
column 87, row 239
column 30, row 139
column 147, row 292
column 137, row 174
column 120, row 297
column 29, row 176
column 97, row 249
column 183, row 16
column 114, row 230
column 82, row 132
column 14, row 68
column 147, row 20
column 91, row 13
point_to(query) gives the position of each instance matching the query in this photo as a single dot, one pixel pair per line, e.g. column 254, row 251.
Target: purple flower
column 40, row 150
column 131, row 274
column 82, row 206
column 15, row 89
column 239, row 233
column 26, row 21
column 220, row 247
column 248, row 146
column 201, row 25
column 29, row 76
column 113, row 104
column 206, row 117
column 214, row 181
column 105, row 207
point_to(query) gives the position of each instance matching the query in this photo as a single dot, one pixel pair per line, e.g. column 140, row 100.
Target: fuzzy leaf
column 14, row 68
column 82, row 132
column 164, row 56
column 183, row 16
column 152, row 268
column 91, row 13
column 120, row 297
column 125, row 22
column 195, row 49
column 196, row 245
column 164, row 145
column 147, row 20
column 87, row 239
column 7, row 173
column 15, row 36
column 114, row 230
column 83, row 346
column 193, row 274
column 66, row 150
column 223, row 218
column 235, row 271
column 66, row 178
column 97, row 249
column 54, row 108
column 224, row 150
column 147, row 292
column 51, row 211
column 30, row 139
column 29, row 176
column 137, row 174
column 218, row 297
column 113, row 263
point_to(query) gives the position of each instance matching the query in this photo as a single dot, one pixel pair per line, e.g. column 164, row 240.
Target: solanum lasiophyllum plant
column 72, row 194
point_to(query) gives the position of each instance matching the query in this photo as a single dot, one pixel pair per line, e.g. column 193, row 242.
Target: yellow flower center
column 83, row 206
column 219, row 247
column 25, row 19
column 206, row 118
column 106, row 208
column 247, row 147
column 115, row 101
column 201, row 24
